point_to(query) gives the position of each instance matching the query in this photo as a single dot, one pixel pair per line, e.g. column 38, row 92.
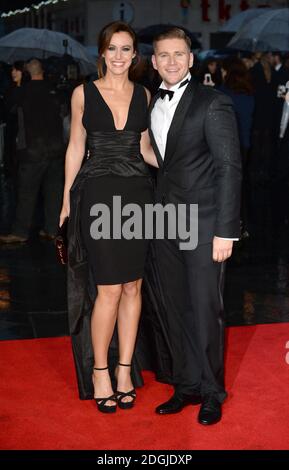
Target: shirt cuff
column 232, row 239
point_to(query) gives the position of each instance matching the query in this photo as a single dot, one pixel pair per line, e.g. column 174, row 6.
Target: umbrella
column 147, row 35
column 92, row 51
column 237, row 21
column 268, row 32
column 25, row 43
column 215, row 54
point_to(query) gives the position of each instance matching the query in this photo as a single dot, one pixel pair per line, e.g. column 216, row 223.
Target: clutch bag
column 61, row 242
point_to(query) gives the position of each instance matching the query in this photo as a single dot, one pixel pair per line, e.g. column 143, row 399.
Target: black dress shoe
column 210, row 411
column 176, row 403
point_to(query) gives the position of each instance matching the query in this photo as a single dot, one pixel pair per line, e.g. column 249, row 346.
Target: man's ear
column 154, row 62
column 191, row 60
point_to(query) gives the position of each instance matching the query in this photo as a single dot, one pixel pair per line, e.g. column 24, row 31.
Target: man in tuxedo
column 194, row 134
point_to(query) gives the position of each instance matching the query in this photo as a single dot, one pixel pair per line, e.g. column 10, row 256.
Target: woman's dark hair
column 19, row 65
column 104, row 40
column 237, row 77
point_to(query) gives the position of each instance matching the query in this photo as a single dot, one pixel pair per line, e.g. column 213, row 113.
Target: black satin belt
column 113, row 144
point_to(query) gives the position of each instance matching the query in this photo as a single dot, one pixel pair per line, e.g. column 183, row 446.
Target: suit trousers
column 45, row 175
column 192, row 284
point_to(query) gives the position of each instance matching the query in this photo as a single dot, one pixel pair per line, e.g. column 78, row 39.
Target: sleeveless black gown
column 115, row 261
column 115, row 167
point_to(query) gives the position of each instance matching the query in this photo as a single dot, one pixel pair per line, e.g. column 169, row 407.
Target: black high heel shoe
column 101, row 402
column 125, row 405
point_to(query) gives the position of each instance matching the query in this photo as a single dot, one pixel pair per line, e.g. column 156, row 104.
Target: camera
column 207, row 78
column 282, row 90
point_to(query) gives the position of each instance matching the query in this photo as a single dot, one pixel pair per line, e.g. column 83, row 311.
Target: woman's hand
column 65, row 211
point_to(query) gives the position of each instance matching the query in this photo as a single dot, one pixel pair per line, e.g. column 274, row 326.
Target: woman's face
column 119, row 54
column 16, row 75
column 212, row 66
column 247, row 62
column 224, row 73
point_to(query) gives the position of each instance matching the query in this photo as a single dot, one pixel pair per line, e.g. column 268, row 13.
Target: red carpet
column 40, row 408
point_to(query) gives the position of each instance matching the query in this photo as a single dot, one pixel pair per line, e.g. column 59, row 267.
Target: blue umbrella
column 240, row 19
column 268, row 32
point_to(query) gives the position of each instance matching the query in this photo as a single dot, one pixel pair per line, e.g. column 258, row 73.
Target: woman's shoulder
column 79, row 90
column 77, row 97
column 82, row 89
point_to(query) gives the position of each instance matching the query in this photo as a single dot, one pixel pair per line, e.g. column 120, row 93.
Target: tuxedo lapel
column 178, row 119
column 152, row 138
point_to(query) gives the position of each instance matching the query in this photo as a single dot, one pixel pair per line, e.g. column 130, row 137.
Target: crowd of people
column 258, row 85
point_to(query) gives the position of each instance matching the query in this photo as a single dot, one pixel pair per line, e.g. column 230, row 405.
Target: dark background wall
column 13, row 4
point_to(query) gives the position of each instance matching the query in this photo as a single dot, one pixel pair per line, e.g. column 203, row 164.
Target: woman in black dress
column 111, row 115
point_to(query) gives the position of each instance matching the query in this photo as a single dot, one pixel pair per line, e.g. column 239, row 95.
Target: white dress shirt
column 162, row 116
column 163, row 113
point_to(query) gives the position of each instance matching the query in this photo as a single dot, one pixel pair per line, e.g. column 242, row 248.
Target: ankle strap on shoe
column 125, row 365
column 100, row 368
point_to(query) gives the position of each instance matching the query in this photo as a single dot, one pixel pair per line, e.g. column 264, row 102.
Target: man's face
column 172, row 59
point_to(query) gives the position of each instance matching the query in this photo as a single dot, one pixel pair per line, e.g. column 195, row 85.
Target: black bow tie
column 163, row 91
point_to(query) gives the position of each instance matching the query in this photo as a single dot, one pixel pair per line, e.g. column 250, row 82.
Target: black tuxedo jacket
column 202, row 163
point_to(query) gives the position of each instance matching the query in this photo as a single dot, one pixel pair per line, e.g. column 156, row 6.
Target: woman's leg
column 127, row 323
column 103, row 320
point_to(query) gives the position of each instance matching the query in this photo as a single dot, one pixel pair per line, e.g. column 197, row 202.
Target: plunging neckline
column 110, row 111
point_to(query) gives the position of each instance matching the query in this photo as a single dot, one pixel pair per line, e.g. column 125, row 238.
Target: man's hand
column 222, row 249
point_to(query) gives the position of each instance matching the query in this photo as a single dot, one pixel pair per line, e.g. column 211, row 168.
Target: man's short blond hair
column 172, row 33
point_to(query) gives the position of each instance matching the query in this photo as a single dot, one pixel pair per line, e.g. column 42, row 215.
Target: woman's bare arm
column 147, row 150
column 75, row 150
column 145, row 143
